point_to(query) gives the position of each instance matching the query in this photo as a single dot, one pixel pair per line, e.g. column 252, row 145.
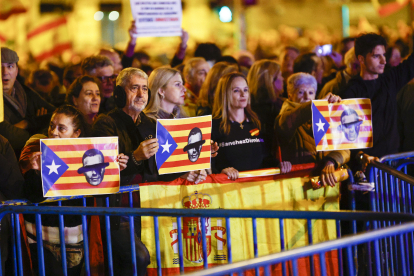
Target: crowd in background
column 260, row 103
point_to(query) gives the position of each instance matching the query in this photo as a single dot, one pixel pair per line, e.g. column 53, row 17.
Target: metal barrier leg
column 157, row 246
column 86, row 242
column 62, row 242
column 322, row 262
column 349, row 254
column 204, row 240
column 132, row 237
column 340, row 260
column 180, row 246
column 108, row 241
column 282, row 243
column 256, row 252
column 13, row 239
column 39, row 240
column 19, row 244
column 229, row 253
column 310, row 241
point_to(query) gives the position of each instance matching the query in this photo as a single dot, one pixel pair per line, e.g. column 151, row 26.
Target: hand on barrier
column 231, row 173
column 328, row 175
column 366, row 160
column 146, row 149
column 35, row 160
column 285, row 166
column 195, row 176
column 122, row 160
column 214, row 148
column 340, row 175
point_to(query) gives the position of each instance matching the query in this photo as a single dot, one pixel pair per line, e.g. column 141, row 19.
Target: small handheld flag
column 79, row 166
column 344, row 125
column 184, row 144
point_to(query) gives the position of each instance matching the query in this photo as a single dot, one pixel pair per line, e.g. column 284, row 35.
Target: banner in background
column 79, row 166
column 157, row 17
column 184, row 144
column 344, row 125
column 49, row 37
column 282, row 192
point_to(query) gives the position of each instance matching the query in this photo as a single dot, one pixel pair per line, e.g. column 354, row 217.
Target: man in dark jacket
column 137, row 140
column 24, row 109
column 382, row 89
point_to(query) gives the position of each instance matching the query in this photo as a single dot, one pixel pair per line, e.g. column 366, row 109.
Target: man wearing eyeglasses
column 102, row 68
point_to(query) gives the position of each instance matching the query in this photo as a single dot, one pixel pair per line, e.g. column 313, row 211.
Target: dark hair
column 78, row 121
column 69, row 73
column 348, row 112
column 44, row 77
column 365, row 43
column 305, row 63
column 228, row 59
column 195, row 131
column 293, row 48
column 209, row 51
column 140, row 55
column 76, row 87
column 91, row 63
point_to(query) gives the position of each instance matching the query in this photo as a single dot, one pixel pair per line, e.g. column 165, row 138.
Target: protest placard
column 79, row 166
column 184, row 144
column 343, row 125
column 157, row 18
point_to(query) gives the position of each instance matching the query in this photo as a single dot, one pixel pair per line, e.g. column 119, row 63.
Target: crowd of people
column 261, row 112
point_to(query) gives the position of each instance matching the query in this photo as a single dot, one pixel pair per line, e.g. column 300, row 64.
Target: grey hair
column 350, row 57
column 188, row 70
column 127, row 73
column 298, row 79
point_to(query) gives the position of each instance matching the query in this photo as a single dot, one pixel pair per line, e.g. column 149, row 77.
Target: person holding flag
column 67, row 122
column 167, row 103
column 236, row 128
column 294, row 129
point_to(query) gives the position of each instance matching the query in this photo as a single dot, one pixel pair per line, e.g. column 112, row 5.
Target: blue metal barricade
column 40, row 211
column 320, row 249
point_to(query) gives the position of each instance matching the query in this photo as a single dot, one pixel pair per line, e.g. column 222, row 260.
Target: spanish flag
column 291, row 191
column 49, row 37
column 184, row 144
column 343, row 125
column 79, row 166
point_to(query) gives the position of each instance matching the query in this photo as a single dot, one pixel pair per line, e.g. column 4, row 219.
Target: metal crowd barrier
column 374, row 237
column 310, row 216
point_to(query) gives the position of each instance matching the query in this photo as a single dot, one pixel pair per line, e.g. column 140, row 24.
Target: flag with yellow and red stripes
column 343, row 125
column 184, row 144
column 79, row 166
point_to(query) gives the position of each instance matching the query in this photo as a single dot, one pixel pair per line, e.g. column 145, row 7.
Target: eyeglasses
column 107, row 79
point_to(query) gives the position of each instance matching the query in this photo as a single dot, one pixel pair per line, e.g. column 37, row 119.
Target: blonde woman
column 167, row 94
column 167, row 98
column 206, row 98
column 237, row 129
column 266, row 85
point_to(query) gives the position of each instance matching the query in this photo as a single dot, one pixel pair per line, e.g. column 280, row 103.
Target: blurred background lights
column 113, row 15
column 225, row 14
column 98, row 16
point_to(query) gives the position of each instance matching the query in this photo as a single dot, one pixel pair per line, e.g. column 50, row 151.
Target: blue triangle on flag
column 52, row 168
column 167, row 145
column 319, row 123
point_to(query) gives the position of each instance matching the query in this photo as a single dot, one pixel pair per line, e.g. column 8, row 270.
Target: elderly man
column 338, row 84
column 114, row 57
column 195, row 72
column 132, row 127
column 24, row 109
column 102, row 68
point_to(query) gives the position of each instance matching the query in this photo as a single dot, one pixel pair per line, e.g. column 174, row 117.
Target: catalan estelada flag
column 289, row 191
column 344, row 125
column 79, row 166
column 184, row 144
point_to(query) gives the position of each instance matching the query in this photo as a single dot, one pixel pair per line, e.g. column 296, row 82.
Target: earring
column 162, row 96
